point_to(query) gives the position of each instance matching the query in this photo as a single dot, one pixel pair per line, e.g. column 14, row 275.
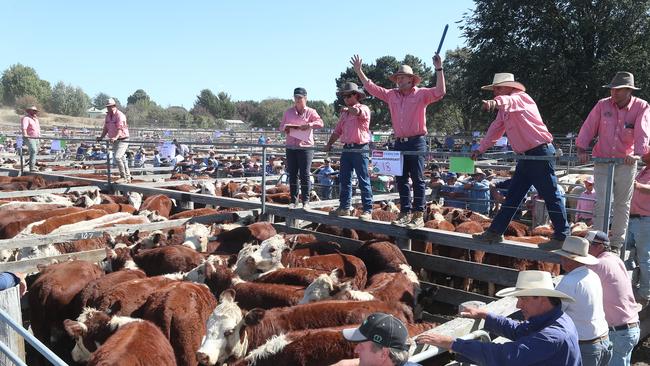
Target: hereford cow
column 167, row 259
column 158, row 203
column 117, row 340
column 127, row 297
column 94, row 289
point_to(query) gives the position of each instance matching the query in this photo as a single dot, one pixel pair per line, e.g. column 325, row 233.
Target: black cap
column 300, row 91
column 380, row 328
column 597, row 237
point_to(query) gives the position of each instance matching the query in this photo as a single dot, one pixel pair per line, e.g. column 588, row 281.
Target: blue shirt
column 8, row 280
column 547, row 339
column 479, row 196
column 324, row 175
column 450, row 202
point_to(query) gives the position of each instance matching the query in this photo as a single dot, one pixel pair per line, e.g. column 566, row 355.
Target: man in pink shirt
column 31, row 130
column 407, row 104
column 117, row 130
column 520, row 119
column 299, row 122
column 586, row 202
column 622, row 124
column 621, row 310
column 639, row 230
column 353, row 129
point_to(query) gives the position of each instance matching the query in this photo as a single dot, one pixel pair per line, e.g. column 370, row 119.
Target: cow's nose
column 203, row 358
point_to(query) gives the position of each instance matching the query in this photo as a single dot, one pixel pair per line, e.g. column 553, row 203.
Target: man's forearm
column 333, row 139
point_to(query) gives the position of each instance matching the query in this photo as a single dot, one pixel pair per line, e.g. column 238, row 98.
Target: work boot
column 341, row 212
column 417, row 220
column 402, row 219
column 552, row 244
column 365, row 216
column 489, row 236
column 305, row 205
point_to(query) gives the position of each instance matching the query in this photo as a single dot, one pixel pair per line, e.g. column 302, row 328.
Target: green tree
column 179, row 116
column 26, row 101
column 246, row 109
column 219, row 106
column 19, row 80
column 139, row 96
column 270, row 112
column 68, row 100
column 325, row 111
column 563, row 51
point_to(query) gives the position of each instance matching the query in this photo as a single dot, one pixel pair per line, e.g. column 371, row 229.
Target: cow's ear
column 232, row 260
column 41, row 267
column 254, row 316
column 74, row 328
column 228, row 295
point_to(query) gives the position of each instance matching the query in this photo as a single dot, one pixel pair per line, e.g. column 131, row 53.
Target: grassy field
column 9, row 120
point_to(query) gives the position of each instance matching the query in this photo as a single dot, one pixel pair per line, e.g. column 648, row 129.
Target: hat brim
column 517, row 292
column 31, row 109
column 512, row 84
column 417, row 78
column 610, row 86
column 588, row 260
column 354, row 335
column 110, row 105
column 357, row 92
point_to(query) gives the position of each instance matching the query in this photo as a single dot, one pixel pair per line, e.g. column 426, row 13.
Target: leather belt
column 352, row 146
column 595, row 340
column 624, row 326
column 405, row 139
column 637, row 216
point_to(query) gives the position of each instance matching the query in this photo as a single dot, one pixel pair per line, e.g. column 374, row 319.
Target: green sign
column 376, row 138
column 3, row 139
column 461, row 164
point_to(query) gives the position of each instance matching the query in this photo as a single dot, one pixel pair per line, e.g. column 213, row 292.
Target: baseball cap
column 300, row 91
column 382, row 329
column 594, row 236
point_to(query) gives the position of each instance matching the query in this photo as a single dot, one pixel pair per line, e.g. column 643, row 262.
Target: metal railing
column 433, row 351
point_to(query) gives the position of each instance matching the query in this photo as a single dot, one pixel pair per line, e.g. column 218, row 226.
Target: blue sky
column 252, row 50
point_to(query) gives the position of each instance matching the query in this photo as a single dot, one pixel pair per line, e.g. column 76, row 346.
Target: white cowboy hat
column 110, row 102
column 504, row 79
column 534, row 283
column 577, row 249
column 405, row 70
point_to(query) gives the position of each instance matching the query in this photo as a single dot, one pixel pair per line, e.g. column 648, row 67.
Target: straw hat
column 621, row 80
column 479, row 171
column 110, row 102
column 405, row 70
column 32, row 108
column 534, row 283
column 504, row 79
column 577, row 249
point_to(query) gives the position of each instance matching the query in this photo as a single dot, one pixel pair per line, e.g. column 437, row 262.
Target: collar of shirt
column 627, row 107
column 543, row 320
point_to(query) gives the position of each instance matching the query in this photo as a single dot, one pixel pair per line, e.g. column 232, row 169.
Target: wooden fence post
column 10, row 302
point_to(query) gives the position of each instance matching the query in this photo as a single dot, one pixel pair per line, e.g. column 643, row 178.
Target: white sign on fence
column 56, row 145
column 387, row 162
column 167, row 150
column 19, row 142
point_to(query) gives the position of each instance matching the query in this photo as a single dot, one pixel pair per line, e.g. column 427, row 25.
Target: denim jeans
column 325, row 192
column 596, row 354
column 359, row 163
column 623, row 341
column 541, row 174
column 639, row 237
column 414, row 169
column 33, row 147
column 299, row 162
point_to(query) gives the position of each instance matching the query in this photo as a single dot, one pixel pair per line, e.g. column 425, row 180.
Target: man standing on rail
column 31, row 130
column 622, row 125
column 408, row 104
column 353, row 129
column 547, row 337
column 517, row 114
column 117, row 130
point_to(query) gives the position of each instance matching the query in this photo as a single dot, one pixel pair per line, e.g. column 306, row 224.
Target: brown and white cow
column 117, row 340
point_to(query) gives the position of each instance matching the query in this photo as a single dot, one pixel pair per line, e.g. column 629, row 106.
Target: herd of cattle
column 225, row 293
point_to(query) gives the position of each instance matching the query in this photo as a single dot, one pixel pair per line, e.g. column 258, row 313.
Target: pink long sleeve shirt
column 115, row 126
column 407, row 112
column 31, row 126
column 620, row 131
column 640, row 204
column 354, row 129
column 519, row 118
column 309, row 117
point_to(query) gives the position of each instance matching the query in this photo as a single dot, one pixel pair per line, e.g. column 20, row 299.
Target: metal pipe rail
column 40, row 347
column 433, row 351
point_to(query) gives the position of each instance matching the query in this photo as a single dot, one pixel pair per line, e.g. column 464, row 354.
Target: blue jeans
column 326, row 192
column 596, row 354
column 414, row 169
column 623, row 341
column 638, row 235
column 541, row 174
column 358, row 162
column 33, row 147
column 299, row 161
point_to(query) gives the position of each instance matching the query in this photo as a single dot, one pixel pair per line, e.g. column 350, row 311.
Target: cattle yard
column 447, row 262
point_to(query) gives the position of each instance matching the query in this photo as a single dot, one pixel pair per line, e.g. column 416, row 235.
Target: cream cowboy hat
column 405, row 70
column 577, row 249
column 534, row 283
column 504, row 79
column 621, row 80
column 32, row 108
column 110, row 102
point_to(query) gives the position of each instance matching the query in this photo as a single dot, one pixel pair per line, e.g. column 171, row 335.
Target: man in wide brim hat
column 504, row 79
column 351, row 88
column 32, row 108
column 548, row 336
column 405, row 70
column 622, row 79
column 576, row 249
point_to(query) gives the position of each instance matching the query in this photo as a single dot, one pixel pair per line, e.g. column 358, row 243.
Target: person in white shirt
column 587, row 311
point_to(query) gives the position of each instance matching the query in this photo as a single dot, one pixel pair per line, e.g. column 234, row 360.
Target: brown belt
column 624, row 326
column 405, row 139
column 595, row 340
column 637, row 216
